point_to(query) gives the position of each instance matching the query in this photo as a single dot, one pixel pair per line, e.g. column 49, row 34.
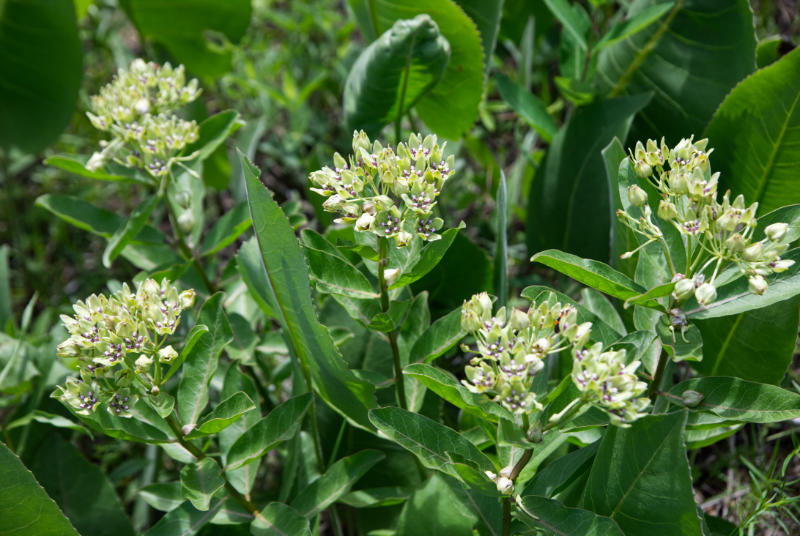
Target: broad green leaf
column 212, row 133
column 289, row 294
column 202, row 361
column 594, row 274
column 429, row 257
column 128, row 230
column 332, row 271
column 451, row 107
column 648, row 299
column 226, row 413
column 200, row 482
column 248, row 263
column 111, row 171
column 376, row 497
column 553, row 478
column 335, row 483
column 391, row 319
column 501, row 243
column 690, row 58
column 756, row 136
column 730, row 342
column 789, row 214
column 598, row 304
column 528, row 106
column 738, row 400
column 163, row 496
column 568, row 206
column 393, row 72
column 686, row 346
column 69, row 479
column 557, row 518
column 634, row 24
column 278, row 519
column 236, row 381
column 278, row 426
column 47, row 418
column 436, row 510
column 184, row 31
column 145, row 426
column 443, row 334
column 191, row 339
column 184, row 520
column 622, row 238
column 566, row 15
column 640, row 478
column 486, row 16
column 227, row 229
column 433, row 443
column 41, row 71
column 25, row 508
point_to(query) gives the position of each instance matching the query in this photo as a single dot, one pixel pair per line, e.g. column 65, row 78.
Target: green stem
column 383, row 260
column 667, row 254
column 184, row 248
column 652, row 391
column 506, row 516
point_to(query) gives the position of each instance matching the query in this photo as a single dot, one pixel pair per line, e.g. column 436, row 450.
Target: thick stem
column 652, row 391
column 520, row 465
column 506, row 516
column 384, row 290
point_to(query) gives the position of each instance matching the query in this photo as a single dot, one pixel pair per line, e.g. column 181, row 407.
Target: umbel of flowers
column 386, row 192
column 138, row 109
column 117, row 341
column 715, row 234
column 511, row 345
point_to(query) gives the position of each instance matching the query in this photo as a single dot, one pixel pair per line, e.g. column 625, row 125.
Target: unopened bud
column 776, row 231
column 757, row 284
column 186, row 221
column 705, row 294
column 391, row 275
column 692, row 398
column 683, row 289
column 519, row 320
column 96, row 161
column 364, row 222
column 167, row 354
column 753, row 252
column 666, row 210
column 184, row 199
column 637, row 196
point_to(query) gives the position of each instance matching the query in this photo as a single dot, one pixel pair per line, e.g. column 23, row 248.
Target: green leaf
column 555, row 477
column 451, row 107
column 648, row 299
column 640, row 478
column 69, row 479
column 212, row 133
column 227, row 229
column 278, row 519
column 486, row 16
column 730, row 342
column 129, row 229
column 557, row 518
column 622, row 238
column 5, row 288
column 756, row 135
column 435, row 510
column 47, row 418
column 601, row 307
column 184, row 520
column 789, row 214
column 594, row 274
column 41, row 71
column 335, row 483
column 289, row 294
column 687, row 346
column 201, row 363
column 281, row 424
column 431, row 442
column 691, row 58
column 634, row 24
column 429, row 257
column 248, row 263
column 332, row 271
column 501, row 243
column 226, row 413
column 191, row 339
column 236, row 381
column 443, row 334
column 111, row 171
column 184, row 31
column 393, row 72
column 200, row 481
column 25, row 508
column 163, row 496
column 735, row 399
column 568, row 206
column 391, row 319
column 376, row 497
column 528, row 106
column 573, row 25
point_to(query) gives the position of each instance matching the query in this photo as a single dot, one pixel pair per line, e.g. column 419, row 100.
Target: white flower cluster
column 386, row 192
column 138, row 109
column 512, row 345
column 117, row 338
column 723, row 232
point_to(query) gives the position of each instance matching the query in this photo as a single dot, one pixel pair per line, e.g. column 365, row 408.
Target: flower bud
column 637, row 196
column 757, row 284
column 391, row 275
column 186, row 298
column 642, row 169
column 776, row 231
column 683, row 289
column 705, row 294
column 735, row 243
column 505, row 485
column 364, row 222
column 403, row 238
column 96, row 161
column 780, row 265
column 666, row 210
column 692, row 398
column 167, row 354
column 753, row 252
column 184, row 199
column 142, row 106
column 143, row 363
column 519, row 319
column 186, row 221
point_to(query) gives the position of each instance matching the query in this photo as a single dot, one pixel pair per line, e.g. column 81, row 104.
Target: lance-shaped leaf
column 226, row 413
column 566, row 15
column 163, row 496
column 281, row 424
column 434, row 444
column 429, row 257
column 528, row 106
column 110, row 172
column 288, row 291
column 631, row 25
column 332, row 271
column 128, row 230
column 501, row 243
column 25, row 508
column 756, row 135
column 734, row 399
column 640, row 478
column 278, row 519
column 227, row 229
column 443, row 334
column 200, row 481
column 201, row 363
column 393, row 72
column 335, row 483
column 557, row 518
column 212, row 133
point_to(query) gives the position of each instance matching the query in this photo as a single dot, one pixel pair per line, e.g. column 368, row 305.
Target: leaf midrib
column 762, row 181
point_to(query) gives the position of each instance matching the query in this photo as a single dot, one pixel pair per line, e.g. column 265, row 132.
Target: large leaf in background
column 278, row 519
column 435, row 510
column 184, row 520
column 690, row 59
column 756, row 136
column 200, row 481
column 568, row 207
column 183, row 28
column 557, row 518
column 393, row 72
column 640, row 478
column 622, row 238
column 486, row 16
column 451, row 107
column 528, row 106
column 70, row 480
column 755, row 345
column 40, row 71
column 25, row 508
column 289, row 296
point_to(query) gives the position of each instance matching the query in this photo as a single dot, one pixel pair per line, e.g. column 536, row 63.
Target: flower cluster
column 605, row 380
column 389, row 193
column 116, row 341
column 717, row 233
column 138, row 109
column 512, row 345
